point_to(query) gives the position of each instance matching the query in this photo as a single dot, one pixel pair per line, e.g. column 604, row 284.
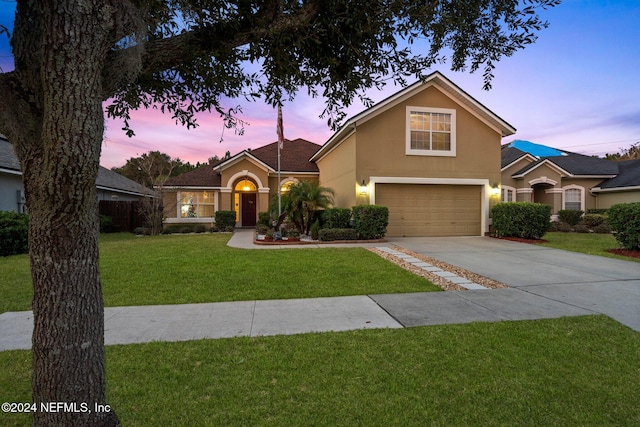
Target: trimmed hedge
column 331, row 234
column 521, row 219
column 569, row 216
column 14, row 233
column 225, row 220
column 337, row 217
column 624, row 219
column 370, row 221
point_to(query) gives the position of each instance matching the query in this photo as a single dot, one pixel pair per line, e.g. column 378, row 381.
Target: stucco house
column 430, row 153
column 110, row 185
column 565, row 180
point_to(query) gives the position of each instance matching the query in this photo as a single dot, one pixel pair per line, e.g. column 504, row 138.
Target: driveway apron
column 573, row 282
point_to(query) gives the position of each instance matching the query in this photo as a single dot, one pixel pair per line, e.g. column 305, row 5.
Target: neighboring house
column 243, row 183
column 565, row 180
column 110, row 185
column 430, row 153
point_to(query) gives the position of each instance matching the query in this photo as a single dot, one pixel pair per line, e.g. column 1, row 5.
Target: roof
column 433, row 79
column 509, row 155
column 8, row 159
column 294, row 155
column 534, row 149
column 628, row 176
column 106, row 180
column 204, row 176
column 573, row 164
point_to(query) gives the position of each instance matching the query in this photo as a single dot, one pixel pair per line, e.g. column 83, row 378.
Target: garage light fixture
column 363, row 188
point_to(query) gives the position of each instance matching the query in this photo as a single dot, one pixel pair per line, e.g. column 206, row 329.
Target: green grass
column 570, row 372
column 181, row 269
column 587, row 243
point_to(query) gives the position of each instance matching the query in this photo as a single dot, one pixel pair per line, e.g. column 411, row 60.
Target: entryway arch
column 245, row 201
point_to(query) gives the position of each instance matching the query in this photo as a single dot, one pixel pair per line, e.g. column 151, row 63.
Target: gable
column 454, row 95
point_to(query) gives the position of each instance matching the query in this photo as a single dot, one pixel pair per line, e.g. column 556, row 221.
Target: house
column 565, row 180
column 110, row 185
column 430, row 153
column 243, row 183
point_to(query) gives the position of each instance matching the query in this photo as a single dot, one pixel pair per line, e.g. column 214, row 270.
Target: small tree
column 302, row 200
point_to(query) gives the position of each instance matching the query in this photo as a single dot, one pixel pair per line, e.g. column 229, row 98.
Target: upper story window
column 431, row 131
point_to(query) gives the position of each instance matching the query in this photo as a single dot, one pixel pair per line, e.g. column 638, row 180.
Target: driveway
column 598, row 284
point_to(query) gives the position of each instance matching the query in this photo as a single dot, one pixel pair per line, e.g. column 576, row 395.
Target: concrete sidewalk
column 545, row 283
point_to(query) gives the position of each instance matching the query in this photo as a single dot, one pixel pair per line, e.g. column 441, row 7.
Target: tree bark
column 59, row 154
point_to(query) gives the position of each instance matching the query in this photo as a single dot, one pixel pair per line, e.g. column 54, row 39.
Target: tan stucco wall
column 338, row 172
column 239, row 167
column 507, row 180
column 169, row 204
column 381, row 145
column 606, row 200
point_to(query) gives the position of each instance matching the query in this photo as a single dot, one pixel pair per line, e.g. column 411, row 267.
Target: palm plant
column 301, row 201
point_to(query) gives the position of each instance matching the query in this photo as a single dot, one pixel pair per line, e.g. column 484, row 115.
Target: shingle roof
column 107, row 179
column 294, row 156
column 8, row 159
column 578, row 164
column 509, row 155
column 204, row 176
column 629, row 175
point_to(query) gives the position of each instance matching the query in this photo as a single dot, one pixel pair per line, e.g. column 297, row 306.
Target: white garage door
column 431, row 210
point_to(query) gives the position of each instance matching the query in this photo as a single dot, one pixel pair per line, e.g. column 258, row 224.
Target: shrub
column 229, row 229
column 264, row 219
column 553, row 226
column 331, row 234
column 315, row 230
column 337, row 218
column 370, row 221
column 14, row 233
column 602, row 228
column 200, row 228
column 592, row 220
column 225, row 219
column 262, row 229
column 521, row 219
column 581, row 228
column 106, row 224
column 597, row 211
column 564, row 227
column 624, row 219
column 569, row 216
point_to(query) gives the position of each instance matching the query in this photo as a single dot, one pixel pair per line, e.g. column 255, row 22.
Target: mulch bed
column 625, row 252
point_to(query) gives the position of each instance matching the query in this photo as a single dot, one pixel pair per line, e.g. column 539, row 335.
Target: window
column 431, row 131
column 508, row 194
column 573, row 199
column 197, row 204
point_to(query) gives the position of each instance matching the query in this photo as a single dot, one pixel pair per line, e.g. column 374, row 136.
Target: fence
column 126, row 216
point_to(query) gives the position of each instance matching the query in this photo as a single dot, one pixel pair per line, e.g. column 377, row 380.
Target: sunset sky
column 577, row 88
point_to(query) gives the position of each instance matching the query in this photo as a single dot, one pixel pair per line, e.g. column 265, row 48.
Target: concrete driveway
column 598, row 284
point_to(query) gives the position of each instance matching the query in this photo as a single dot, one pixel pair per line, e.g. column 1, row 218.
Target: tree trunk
column 60, row 159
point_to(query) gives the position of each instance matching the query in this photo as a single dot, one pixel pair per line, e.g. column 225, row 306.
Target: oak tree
column 185, row 56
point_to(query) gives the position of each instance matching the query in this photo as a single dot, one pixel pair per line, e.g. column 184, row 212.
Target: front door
column 248, row 209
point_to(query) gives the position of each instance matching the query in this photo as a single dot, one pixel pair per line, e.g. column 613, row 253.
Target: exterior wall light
column 363, row 188
column 495, row 190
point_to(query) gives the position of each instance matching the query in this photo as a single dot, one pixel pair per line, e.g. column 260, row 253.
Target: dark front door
column 248, row 209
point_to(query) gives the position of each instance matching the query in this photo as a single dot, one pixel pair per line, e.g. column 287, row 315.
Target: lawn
column 179, row 269
column 587, row 243
column 570, row 371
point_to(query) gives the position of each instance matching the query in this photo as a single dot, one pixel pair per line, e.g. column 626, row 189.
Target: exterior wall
column 237, row 168
column 587, row 184
column 338, row 172
column 607, row 199
column 115, row 196
column 381, row 145
column 507, row 180
column 10, row 185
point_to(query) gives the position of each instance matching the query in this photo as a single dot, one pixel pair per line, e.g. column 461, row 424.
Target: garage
column 431, row 209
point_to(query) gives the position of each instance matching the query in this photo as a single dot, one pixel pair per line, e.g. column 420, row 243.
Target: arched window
column 245, row 185
column 573, row 199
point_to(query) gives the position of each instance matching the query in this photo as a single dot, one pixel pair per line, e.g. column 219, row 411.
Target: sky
column 576, row 88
